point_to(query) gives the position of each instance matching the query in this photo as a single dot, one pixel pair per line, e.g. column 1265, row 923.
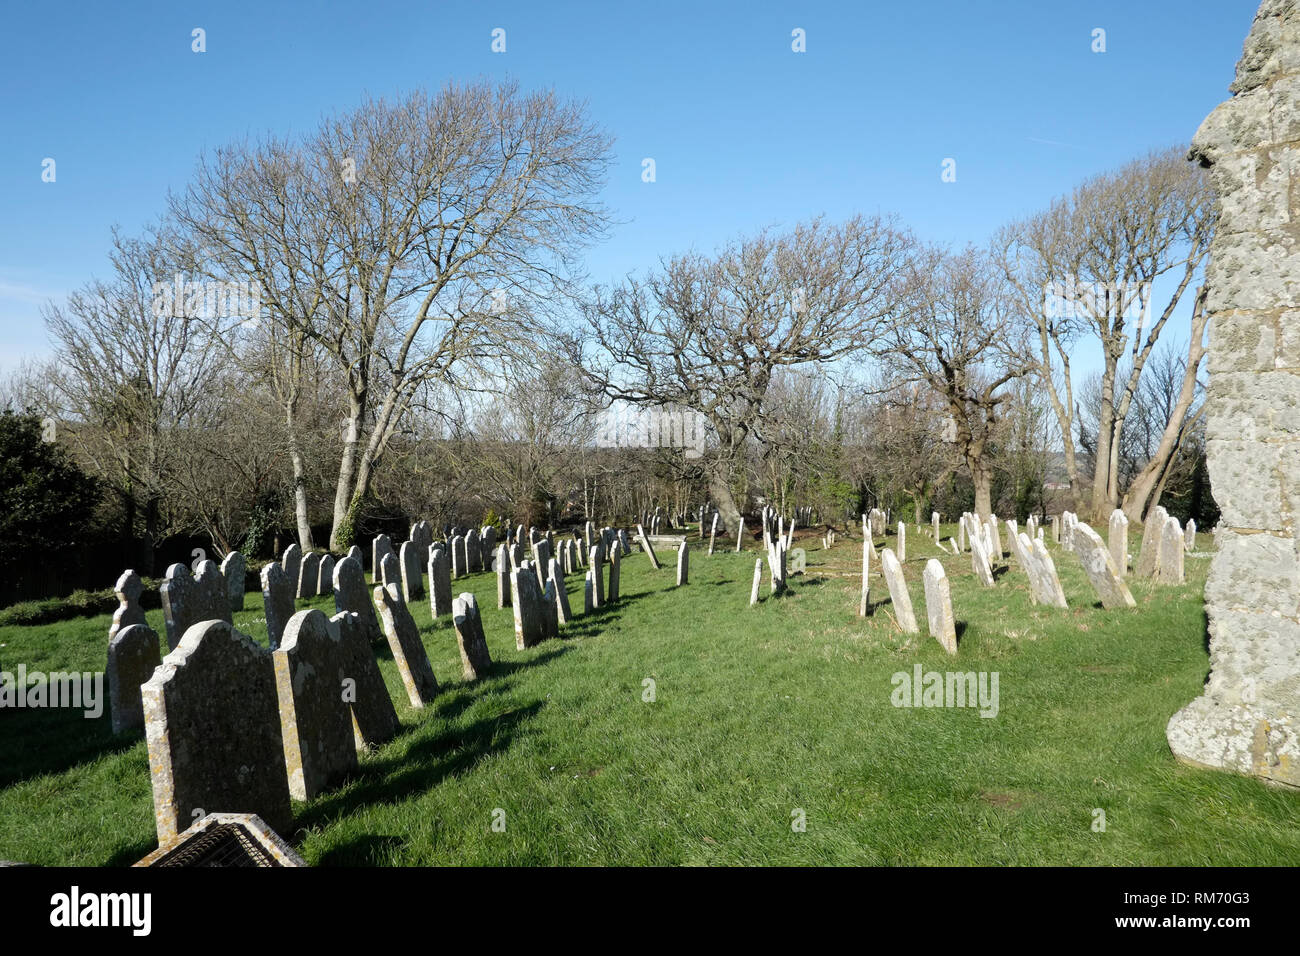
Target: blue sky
column 744, row 132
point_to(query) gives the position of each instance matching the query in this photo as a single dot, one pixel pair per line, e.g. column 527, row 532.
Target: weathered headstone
column 474, row 658
column 864, row 603
column 473, row 551
column 938, row 606
column 1117, row 540
column 351, row 596
column 412, row 576
column 647, row 547
column 1100, row 567
column 458, row 568
column 404, row 641
column 526, row 601
column 563, row 612
column 308, row 575
column 277, row 601
column 356, row 555
column 615, row 572
column 1153, row 527
column 129, row 587
column 902, row 541
column 390, row 571
column 374, row 719
column 291, row 563
column 683, row 563
column 934, row 527
column 758, row 581
column 740, row 535
column 325, row 574
column 503, row 576
column 1050, row 591
column 1172, row 547
column 892, row 571
column 1189, row 535
column 315, row 719
column 188, row 599
column 133, row 655
column 213, row 731
column 597, row 569
column 234, row 568
column 979, row 559
column 378, row 548
column 440, row 599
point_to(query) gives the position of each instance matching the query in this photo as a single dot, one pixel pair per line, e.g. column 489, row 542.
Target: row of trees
column 388, row 318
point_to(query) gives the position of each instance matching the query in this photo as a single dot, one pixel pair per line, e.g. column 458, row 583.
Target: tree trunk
column 345, row 486
column 301, row 517
column 720, row 490
column 1104, row 446
column 982, row 476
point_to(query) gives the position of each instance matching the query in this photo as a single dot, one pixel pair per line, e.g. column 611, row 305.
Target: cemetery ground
column 758, row 713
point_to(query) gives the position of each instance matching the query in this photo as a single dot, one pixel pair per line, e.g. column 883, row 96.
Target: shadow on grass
column 41, row 741
column 421, row 767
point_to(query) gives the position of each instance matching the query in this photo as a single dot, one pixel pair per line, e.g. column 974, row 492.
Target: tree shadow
column 66, row 739
column 960, row 628
column 1001, row 572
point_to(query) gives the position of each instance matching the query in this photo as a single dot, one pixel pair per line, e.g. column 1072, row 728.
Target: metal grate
column 227, row 844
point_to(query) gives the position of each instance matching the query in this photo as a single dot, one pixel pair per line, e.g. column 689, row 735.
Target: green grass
column 758, row 712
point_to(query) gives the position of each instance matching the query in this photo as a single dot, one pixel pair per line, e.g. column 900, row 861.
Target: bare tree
column 707, row 333
column 1084, row 269
column 415, row 240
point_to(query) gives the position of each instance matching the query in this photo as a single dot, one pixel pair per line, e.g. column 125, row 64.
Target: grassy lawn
column 759, row 712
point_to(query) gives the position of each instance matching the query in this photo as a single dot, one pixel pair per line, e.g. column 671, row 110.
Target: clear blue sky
column 744, row 131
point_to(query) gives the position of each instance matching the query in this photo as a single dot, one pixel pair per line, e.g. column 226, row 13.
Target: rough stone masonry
column 1248, row 719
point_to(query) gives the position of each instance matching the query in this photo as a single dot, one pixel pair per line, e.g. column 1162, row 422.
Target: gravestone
column 356, row 555
column 902, row 541
column 898, row 595
column 713, row 532
column 188, row 599
column 938, row 606
column 683, row 564
column 1248, row 719
column 325, row 574
column 351, row 596
column 315, row 720
column 597, row 552
column 374, row 719
column 615, row 571
column 563, row 612
column 474, row 658
column 234, row 569
column 647, row 547
column 390, row 571
column 277, row 601
column 1117, row 539
column 1050, row 591
column 132, row 657
column 587, row 597
column 864, row 602
column 934, row 527
column 526, row 601
column 380, row 547
column 758, row 581
column 212, row 727
column 129, row 587
column 308, row 575
column 422, row 537
column 473, row 551
column 440, row 599
column 979, row 559
column 404, row 641
column 412, row 576
column 1153, row 527
column 1172, row 547
column 503, row 577
column 550, row 611
column 1189, row 534
column 1100, row 567
column 291, row 562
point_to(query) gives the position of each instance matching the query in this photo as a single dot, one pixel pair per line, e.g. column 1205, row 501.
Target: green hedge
column 76, row 604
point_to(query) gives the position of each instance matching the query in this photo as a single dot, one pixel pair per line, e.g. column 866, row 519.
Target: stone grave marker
column 1100, row 567
column 233, row 569
column 938, row 606
column 133, row 655
column 277, row 600
column 474, row 658
column 188, row 599
column 404, row 641
column 898, row 594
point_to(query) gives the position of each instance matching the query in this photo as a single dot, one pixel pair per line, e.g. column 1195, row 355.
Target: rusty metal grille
column 227, row 844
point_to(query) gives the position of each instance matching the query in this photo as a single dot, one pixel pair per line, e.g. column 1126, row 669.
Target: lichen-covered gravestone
column 1100, row 567
column 234, row 568
column 309, row 575
column 351, row 596
column 1118, row 541
column 325, row 575
column 474, row 658
column 315, row 720
column 473, row 551
column 615, row 573
column 188, row 599
column 412, row 576
column 133, row 655
column 758, row 581
column 526, row 601
column 683, row 564
column 129, row 587
column 938, row 606
column 1172, row 547
column 1050, row 591
column 1148, row 562
column 277, row 599
column 404, row 641
column 563, row 613
column 212, row 727
column 502, row 563
column 439, row 581
column 379, row 548
column 1248, row 720
column 291, row 562
column 898, row 595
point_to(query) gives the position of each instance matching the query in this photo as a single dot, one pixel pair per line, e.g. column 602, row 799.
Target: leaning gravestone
column 129, row 587
column 1100, row 567
column 234, row 568
column 277, row 600
column 440, row 602
column 938, row 606
column 1050, row 591
column 1248, row 719
column 315, row 720
column 474, row 658
column 758, row 581
column 404, row 641
column 864, row 603
column 412, row 581
column 133, row 656
column 979, row 559
column 683, row 564
column 526, row 600
column 374, row 719
column 213, row 732
column 188, row 599
column 647, row 547
column 902, row 601
column 351, row 596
